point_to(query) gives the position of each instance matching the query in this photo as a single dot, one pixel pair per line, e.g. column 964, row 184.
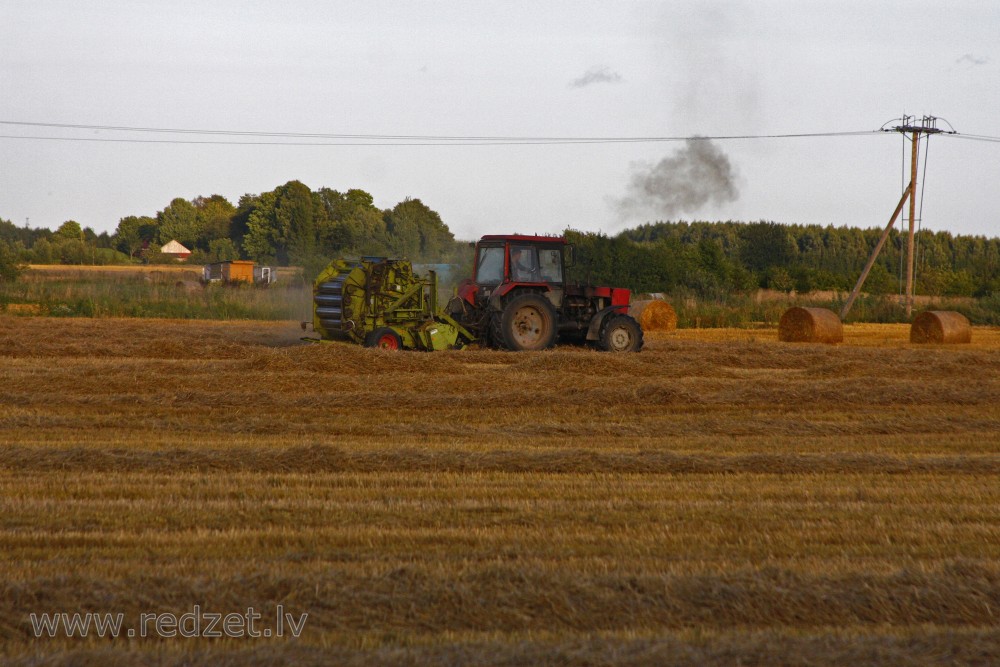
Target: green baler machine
column 381, row 302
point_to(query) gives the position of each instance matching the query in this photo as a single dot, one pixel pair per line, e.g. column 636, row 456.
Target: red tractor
column 519, row 299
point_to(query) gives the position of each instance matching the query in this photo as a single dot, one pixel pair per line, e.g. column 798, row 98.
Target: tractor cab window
column 550, row 265
column 524, row 264
column 489, row 265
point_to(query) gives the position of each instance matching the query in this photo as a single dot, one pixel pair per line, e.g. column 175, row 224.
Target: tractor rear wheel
column 620, row 333
column 384, row 338
column 528, row 322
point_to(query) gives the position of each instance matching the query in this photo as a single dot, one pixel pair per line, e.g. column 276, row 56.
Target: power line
column 377, row 139
column 397, row 140
column 975, row 137
column 288, row 143
column 455, row 142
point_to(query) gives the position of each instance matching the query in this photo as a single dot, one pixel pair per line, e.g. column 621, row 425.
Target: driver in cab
column 523, row 266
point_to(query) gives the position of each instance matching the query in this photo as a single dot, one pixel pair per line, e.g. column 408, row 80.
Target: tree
column 296, row 216
column 880, row 281
column 70, row 230
column 214, row 219
column 767, row 244
column 222, row 250
column 73, row 251
column 284, row 225
column 262, row 239
column 352, row 223
column 238, row 226
column 133, row 233
column 11, row 233
column 960, row 283
column 42, row 252
column 712, row 259
column 743, row 281
column 178, row 221
column 403, row 231
column 417, row 231
column 779, row 279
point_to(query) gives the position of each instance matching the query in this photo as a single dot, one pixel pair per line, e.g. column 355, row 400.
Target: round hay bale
column 940, row 326
column 654, row 315
column 810, row 325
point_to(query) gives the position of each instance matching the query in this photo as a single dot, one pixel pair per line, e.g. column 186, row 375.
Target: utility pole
column 926, row 126
column 878, row 248
column 914, row 156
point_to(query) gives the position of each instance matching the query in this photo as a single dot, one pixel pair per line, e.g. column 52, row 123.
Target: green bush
column 10, row 266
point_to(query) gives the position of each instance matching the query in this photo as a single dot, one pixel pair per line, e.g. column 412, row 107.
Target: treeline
column 713, row 259
column 293, row 224
column 288, row 225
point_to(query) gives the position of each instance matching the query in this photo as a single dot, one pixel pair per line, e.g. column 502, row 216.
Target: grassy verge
column 156, row 293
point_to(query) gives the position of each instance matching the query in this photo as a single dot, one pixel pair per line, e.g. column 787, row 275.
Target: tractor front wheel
column 621, row 333
column 384, row 338
column 528, row 322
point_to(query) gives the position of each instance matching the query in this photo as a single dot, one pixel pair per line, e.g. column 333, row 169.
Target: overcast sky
column 508, row 69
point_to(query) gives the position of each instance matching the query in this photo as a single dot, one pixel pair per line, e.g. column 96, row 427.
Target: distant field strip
column 709, row 500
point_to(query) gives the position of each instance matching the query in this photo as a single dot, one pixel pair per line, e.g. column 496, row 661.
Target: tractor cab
column 503, row 263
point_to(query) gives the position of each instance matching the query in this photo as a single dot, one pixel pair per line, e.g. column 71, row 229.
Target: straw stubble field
column 719, row 498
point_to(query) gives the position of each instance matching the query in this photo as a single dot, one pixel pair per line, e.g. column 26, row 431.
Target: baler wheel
column 528, row 322
column 384, row 338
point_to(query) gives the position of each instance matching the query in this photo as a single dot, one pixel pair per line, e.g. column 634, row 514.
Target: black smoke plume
column 696, row 175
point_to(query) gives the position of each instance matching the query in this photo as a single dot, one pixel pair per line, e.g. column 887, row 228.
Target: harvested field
column 719, row 498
